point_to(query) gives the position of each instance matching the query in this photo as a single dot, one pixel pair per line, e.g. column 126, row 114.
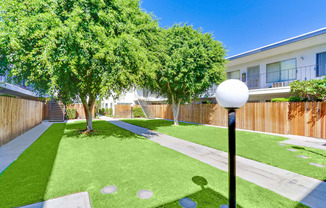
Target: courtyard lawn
column 256, row 146
column 63, row 161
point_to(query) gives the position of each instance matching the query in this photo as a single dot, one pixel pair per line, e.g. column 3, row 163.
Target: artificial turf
column 114, row 156
column 256, row 146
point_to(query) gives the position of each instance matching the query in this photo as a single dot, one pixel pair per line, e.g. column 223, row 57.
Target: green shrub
column 290, row 99
column 102, row 111
column 7, row 95
column 280, row 100
column 71, row 113
column 109, row 112
column 311, row 90
column 138, row 112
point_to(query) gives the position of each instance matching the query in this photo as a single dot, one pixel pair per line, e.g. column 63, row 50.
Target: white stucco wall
column 305, row 61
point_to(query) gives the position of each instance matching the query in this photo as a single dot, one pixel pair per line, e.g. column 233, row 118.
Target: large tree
column 78, row 49
column 191, row 62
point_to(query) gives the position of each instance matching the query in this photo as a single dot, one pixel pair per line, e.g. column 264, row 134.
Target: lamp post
column 232, row 94
column 132, row 105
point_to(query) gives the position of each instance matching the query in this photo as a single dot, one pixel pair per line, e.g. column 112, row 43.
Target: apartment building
column 267, row 71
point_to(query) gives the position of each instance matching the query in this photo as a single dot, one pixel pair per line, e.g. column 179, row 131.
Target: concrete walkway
column 77, row 200
column 10, row 152
column 306, row 190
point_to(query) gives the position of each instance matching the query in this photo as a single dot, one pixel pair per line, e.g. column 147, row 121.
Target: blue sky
column 242, row 25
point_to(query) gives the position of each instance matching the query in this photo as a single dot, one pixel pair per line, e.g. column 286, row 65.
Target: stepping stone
column 109, row 189
column 317, row 165
column 187, row 203
column 292, row 150
column 144, row 194
column 224, row 206
column 301, row 156
column 278, row 144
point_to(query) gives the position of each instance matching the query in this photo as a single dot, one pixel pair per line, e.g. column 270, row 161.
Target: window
column 321, row 64
column 234, row 75
column 106, row 105
column 281, row 71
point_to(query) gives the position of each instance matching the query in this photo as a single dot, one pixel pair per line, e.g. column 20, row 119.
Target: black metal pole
column 232, row 164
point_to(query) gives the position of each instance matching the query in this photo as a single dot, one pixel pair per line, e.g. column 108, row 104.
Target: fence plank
column 18, row 116
column 304, row 119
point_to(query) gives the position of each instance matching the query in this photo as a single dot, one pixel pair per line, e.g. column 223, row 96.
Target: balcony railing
column 283, row 78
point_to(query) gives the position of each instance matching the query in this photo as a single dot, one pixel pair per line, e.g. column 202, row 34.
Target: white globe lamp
column 232, row 94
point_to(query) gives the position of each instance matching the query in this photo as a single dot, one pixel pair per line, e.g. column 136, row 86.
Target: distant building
column 18, row 90
column 267, row 71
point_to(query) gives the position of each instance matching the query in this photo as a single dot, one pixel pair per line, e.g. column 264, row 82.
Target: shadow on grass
column 156, row 123
column 206, row 197
column 102, row 130
column 25, row 181
column 305, row 149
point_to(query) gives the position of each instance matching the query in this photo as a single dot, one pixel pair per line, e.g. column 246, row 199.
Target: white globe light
column 232, row 93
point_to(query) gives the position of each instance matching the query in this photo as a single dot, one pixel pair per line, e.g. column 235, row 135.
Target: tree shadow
column 302, row 148
column 154, row 124
column 206, row 197
column 102, row 130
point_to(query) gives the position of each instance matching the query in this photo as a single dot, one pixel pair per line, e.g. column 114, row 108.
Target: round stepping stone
column 109, row 189
column 278, row 144
column 292, row 150
column 187, row 203
column 144, row 194
column 317, row 165
column 224, row 206
column 301, row 156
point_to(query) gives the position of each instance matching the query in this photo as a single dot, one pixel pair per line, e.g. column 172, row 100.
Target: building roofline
column 280, row 43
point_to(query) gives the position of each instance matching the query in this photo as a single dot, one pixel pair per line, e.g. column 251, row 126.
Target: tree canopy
column 78, row 48
column 191, row 62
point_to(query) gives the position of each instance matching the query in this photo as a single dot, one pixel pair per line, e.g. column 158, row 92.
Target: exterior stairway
column 57, row 112
column 143, row 104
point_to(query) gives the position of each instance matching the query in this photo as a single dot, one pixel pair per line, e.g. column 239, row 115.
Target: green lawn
column 260, row 147
column 63, row 161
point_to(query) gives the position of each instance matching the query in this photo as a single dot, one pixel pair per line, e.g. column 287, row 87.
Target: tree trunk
column 175, row 109
column 88, row 106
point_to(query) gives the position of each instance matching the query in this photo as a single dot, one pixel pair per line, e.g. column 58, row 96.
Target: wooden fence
column 18, row 116
column 80, row 113
column 123, row 111
column 304, row 119
column 46, row 111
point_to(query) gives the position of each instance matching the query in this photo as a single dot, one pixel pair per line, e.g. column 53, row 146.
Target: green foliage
column 191, row 62
column 79, row 49
column 280, row 100
column 71, row 113
column 109, row 111
column 97, row 105
column 311, row 90
column 7, row 95
column 138, row 112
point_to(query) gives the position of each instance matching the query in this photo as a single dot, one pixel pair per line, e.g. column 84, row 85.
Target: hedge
column 138, row 112
column 71, row 113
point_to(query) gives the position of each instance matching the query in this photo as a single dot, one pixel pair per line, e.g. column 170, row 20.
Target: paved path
column 77, row 200
column 306, row 190
column 10, row 152
column 293, row 139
